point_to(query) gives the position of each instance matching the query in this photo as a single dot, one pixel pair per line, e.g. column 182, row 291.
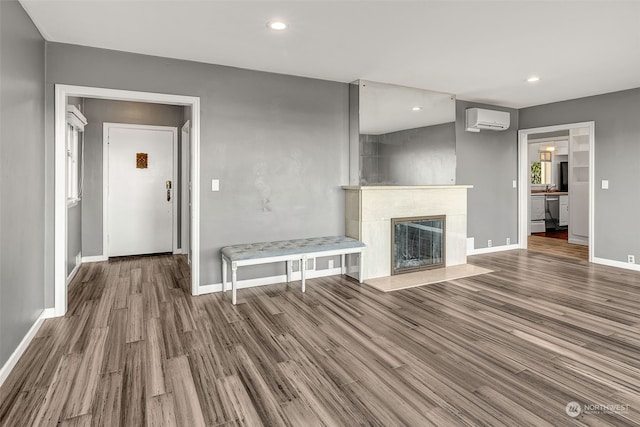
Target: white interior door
column 141, row 189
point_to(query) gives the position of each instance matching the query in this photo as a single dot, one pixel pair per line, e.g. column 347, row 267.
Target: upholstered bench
column 287, row 251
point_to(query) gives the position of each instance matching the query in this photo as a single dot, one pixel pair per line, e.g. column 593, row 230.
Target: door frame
column 105, row 180
column 60, row 176
column 185, row 197
column 523, row 179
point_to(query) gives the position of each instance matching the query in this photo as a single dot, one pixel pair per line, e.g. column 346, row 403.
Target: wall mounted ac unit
column 479, row 118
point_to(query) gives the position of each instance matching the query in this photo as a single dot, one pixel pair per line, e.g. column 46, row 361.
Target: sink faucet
column 549, row 187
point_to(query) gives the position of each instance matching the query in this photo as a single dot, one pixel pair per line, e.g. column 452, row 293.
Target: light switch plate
column 605, row 184
column 215, row 185
column 515, row 184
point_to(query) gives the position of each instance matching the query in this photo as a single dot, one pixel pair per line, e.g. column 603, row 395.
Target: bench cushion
column 289, row 247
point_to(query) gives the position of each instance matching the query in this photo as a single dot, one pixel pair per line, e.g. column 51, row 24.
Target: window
column 545, row 167
column 75, row 125
column 72, row 163
column 541, row 170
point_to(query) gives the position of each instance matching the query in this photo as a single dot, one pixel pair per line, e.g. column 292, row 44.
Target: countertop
column 550, row 193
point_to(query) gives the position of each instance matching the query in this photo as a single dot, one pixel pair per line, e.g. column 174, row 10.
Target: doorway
column 556, row 187
column 140, row 164
column 62, row 92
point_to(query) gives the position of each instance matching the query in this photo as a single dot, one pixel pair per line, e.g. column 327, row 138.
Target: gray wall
column 97, row 112
column 22, row 218
column 617, row 152
column 279, row 144
column 489, row 161
column 421, row 156
column 74, row 235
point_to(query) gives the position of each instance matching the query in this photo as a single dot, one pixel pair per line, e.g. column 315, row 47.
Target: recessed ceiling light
column 417, row 108
column 277, row 25
column 533, row 79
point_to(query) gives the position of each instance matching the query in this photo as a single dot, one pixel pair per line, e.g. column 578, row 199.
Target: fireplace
column 369, row 210
column 417, row 243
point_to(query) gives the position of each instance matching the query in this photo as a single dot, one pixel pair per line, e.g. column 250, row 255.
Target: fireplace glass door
column 417, row 243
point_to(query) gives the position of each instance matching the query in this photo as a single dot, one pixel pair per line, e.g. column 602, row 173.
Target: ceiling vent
column 479, row 118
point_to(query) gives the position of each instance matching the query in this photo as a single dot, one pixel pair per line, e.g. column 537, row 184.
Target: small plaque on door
column 141, row 160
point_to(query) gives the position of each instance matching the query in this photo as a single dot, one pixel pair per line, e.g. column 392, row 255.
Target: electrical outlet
column 489, row 243
column 330, row 264
column 631, row 259
column 508, row 240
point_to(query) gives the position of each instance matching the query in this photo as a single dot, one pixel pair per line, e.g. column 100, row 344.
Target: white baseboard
column 17, row 353
column 73, row 273
column 96, row 258
column 250, row 283
column 578, row 242
column 619, row 264
column 492, row 249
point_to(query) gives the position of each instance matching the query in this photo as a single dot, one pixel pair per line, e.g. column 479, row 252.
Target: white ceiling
column 478, row 50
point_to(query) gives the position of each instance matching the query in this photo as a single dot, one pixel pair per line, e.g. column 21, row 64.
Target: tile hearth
column 426, row 277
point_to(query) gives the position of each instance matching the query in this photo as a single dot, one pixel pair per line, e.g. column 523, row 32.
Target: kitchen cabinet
column 537, row 213
column 563, row 217
column 537, row 207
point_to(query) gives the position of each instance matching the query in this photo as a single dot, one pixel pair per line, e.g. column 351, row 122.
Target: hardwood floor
column 555, row 234
column 559, row 247
column 512, row 347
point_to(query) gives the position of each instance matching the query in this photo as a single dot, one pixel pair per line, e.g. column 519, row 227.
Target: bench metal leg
column 224, row 274
column 303, row 269
column 361, row 266
column 289, row 267
column 234, row 282
column 343, row 267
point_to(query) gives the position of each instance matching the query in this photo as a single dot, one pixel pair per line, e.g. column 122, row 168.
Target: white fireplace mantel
column 369, row 210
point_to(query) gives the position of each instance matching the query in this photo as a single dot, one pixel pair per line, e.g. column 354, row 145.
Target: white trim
column 578, row 241
column 471, row 245
column 106, row 126
column 185, row 146
column 523, row 180
column 174, row 191
column 73, row 273
column 492, row 249
column 26, row 340
column 60, row 202
column 550, row 139
column 195, row 197
column 75, row 118
column 618, row 264
column 94, row 258
column 60, row 198
column 262, row 281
